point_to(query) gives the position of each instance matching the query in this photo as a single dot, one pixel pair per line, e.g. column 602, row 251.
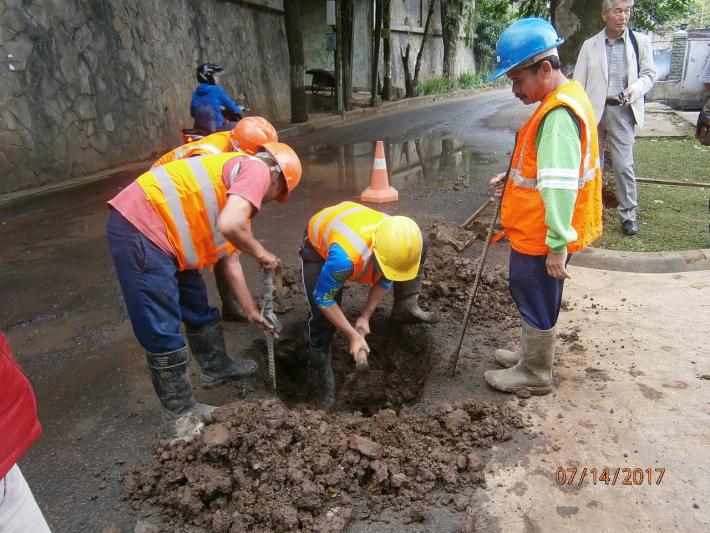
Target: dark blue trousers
column 158, row 295
column 537, row 295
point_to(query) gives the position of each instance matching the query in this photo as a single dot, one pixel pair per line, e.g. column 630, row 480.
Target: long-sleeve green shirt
column 559, row 156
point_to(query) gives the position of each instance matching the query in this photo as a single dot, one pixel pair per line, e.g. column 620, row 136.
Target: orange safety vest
column 188, row 196
column 523, row 211
column 217, row 143
column 351, row 226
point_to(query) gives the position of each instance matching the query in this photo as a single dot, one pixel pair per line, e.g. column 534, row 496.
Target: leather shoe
column 630, row 227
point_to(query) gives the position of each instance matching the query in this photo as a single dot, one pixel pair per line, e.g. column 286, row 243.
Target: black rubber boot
column 406, row 302
column 207, row 345
column 321, row 376
column 231, row 310
column 168, row 372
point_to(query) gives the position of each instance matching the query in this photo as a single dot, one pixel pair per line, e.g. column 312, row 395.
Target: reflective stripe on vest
column 209, row 195
column 216, row 143
column 349, row 225
column 172, row 199
column 188, row 196
column 198, row 149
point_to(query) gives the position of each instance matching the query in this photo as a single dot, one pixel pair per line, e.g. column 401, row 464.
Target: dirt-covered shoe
column 231, row 310
column 169, row 374
column 207, row 345
column 534, row 369
column 507, row 358
column 406, row 302
column 321, row 377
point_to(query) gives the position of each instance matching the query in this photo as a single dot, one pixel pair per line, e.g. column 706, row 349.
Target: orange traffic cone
column 379, row 190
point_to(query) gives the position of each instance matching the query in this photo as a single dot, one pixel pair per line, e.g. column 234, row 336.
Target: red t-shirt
column 252, row 183
column 19, row 426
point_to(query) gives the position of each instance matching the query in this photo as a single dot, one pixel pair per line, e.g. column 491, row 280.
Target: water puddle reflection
column 430, row 162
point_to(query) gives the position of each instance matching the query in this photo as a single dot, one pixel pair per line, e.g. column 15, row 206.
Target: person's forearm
column 335, row 316
column 234, row 276
column 242, row 237
column 559, row 207
column 376, row 295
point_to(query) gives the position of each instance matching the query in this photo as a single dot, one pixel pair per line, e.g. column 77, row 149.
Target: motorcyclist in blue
column 208, row 100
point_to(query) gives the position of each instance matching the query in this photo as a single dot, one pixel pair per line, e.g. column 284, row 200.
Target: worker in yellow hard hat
column 351, row 242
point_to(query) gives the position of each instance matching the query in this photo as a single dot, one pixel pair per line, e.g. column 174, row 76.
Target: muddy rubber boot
column 534, row 370
column 169, row 374
column 406, row 302
column 320, row 374
column 508, row 358
column 231, row 310
column 207, row 345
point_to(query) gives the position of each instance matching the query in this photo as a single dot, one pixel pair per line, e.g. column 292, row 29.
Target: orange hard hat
column 289, row 163
column 252, row 132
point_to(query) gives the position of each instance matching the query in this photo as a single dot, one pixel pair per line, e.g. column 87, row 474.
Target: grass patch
column 466, row 80
column 671, row 218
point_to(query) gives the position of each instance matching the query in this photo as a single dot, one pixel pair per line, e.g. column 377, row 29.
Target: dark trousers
column 320, row 329
column 537, row 295
column 158, row 295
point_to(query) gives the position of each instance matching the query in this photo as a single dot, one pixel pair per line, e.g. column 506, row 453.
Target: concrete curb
column 643, row 262
column 74, row 182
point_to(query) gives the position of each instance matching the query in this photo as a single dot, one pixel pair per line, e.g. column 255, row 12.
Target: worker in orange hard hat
column 169, row 223
column 246, row 136
column 351, row 242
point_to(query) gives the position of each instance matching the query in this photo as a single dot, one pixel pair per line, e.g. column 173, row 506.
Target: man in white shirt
column 616, row 69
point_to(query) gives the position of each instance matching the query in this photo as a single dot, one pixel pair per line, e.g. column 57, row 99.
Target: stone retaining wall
column 90, row 84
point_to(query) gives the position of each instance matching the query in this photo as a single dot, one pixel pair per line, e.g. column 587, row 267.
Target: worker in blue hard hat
column 551, row 205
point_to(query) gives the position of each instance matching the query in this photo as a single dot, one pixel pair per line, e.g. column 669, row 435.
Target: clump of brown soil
column 264, row 467
column 449, row 278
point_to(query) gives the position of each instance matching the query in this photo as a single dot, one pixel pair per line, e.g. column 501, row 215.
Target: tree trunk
column 411, row 82
column 452, row 12
column 386, row 51
column 427, row 31
column 576, row 21
column 294, row 39
column 376, row 53
column 408, row 88
column 346, row 20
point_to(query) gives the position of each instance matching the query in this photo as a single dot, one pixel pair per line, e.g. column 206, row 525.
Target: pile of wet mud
column 265, row 467
column 449, row 277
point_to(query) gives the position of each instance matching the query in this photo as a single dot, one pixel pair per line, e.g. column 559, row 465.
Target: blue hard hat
column 521, row 41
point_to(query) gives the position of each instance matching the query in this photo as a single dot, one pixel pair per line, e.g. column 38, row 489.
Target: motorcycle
column 194, row 134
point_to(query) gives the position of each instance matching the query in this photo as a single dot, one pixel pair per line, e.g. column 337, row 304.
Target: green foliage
column 467, row 80
column 535, row 8
column 646, row 14
column 490, row 18
column 660, row 14
column 438, row 85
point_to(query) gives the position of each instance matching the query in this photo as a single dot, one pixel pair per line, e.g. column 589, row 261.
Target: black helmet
column 206, row 72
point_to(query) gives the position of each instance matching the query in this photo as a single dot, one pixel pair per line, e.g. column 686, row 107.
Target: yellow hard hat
column 397, row 244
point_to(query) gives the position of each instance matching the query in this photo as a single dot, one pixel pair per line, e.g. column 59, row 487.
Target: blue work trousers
column 537, row 295
column 158, row 295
